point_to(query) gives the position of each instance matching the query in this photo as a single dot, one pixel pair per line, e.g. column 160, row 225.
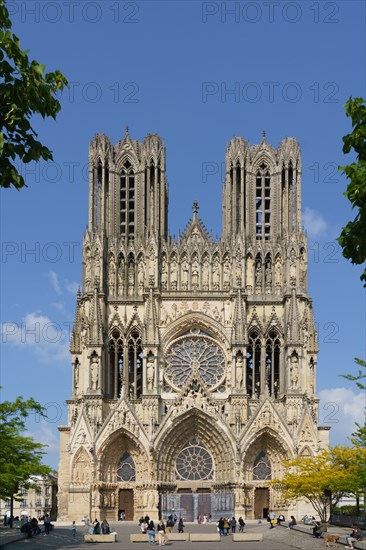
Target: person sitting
column 319, row 528
column 354, row 536
column 105, row 527
column 280, row 518
column 96, row 529
column 291, row 523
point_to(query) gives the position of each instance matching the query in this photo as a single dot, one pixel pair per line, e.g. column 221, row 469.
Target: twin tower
column 193, row 360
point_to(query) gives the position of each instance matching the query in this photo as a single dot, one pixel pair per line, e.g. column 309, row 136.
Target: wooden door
column 126, row 503
column 261, row 502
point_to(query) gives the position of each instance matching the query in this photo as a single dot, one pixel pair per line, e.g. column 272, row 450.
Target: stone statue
column 258, row 274
column 227, row 273
column 294, row 370
column 216, row 274
column 239, row 372
column 131, row 277
column 76, row 374
column 173, row 274
column 150, row 372
column 164, row 274
column 112, row 274
column 195, row 274
column 278, row 272
column 121, row 276
column 185, row 268
column 205, row 276
column 94, row 372
column 141, row 275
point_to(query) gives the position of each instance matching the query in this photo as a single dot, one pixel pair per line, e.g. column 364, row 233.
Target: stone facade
column 193, row 360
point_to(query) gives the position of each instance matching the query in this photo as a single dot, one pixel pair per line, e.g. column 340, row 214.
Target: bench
column 138, row 537
column 242, row 537
column 101, row 538
column 141, row 537
column 204, row 537
column 178, row 536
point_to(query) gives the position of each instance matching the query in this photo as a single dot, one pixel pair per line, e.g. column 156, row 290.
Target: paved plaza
column 273, row 539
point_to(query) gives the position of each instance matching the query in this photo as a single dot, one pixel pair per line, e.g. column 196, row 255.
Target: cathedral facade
column 193, row 360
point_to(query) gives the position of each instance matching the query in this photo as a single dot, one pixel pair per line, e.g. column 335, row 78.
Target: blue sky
column 196, row 73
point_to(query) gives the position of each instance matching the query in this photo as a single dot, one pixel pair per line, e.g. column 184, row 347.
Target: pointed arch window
column 115, row 370
column 262, row 470
column 254, row 364
column 273, row 351
column 263, row 203
column 127, row 200
column 126, row 470
column 134, row 365
column 238, row 195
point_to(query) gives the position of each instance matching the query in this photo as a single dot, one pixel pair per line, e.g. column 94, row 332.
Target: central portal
column 189, row 505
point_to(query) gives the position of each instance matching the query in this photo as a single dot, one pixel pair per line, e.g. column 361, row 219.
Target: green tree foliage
column 359, row 436
column 20, row 456
column 353, row 236
column 324, row 479
column 25, row 90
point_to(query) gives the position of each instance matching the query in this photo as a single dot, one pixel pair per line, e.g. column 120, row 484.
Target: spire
column 239, row 327
column 293, row 328
column 127, row 131
column 96, row 326
column 151, row 321
column 195, row 209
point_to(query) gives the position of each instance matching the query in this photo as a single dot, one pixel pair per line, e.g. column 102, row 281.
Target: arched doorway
column 126, row 504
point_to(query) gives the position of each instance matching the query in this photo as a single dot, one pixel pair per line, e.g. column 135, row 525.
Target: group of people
column 160, row 530
column 225, row 525
column 31, row 526
column 271, row 518
column 203, row 519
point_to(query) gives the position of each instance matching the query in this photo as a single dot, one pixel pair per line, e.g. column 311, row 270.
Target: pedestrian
column 47, row 524
column 259, row 518
column 73, row 529
column 161, row 533
column 233, row 524
column 151, row 533
column 241, row 525
column 180, row 525
column 272, row 519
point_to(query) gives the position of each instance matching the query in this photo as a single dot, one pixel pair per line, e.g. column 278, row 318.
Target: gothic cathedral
column 193, row 360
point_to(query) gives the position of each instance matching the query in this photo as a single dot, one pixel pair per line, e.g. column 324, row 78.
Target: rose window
column 194, row 354
column 194, row 462
column 262, row 467
column 126, row 470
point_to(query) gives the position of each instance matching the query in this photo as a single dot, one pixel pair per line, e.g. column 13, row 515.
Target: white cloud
column 341, row 408
column 49, row 340
column 44, row 434
column 53, row 278
column 314, row 222
column 71, row 286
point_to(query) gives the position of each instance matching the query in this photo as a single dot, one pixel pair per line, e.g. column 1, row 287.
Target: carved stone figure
column 141, row 275
column 173, row 274
column 112, row 275
column 150, row 372
column 294, row 370
column 94, row 372
column 185, row 268
column 216, row 274
column 239, row 372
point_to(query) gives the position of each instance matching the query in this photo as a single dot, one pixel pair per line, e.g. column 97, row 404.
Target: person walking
column 161, row 533
column 180, row 525
column 272, row 519
column 151, row 533
column 241, row 525
column 47, row 524
column 73, row 529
